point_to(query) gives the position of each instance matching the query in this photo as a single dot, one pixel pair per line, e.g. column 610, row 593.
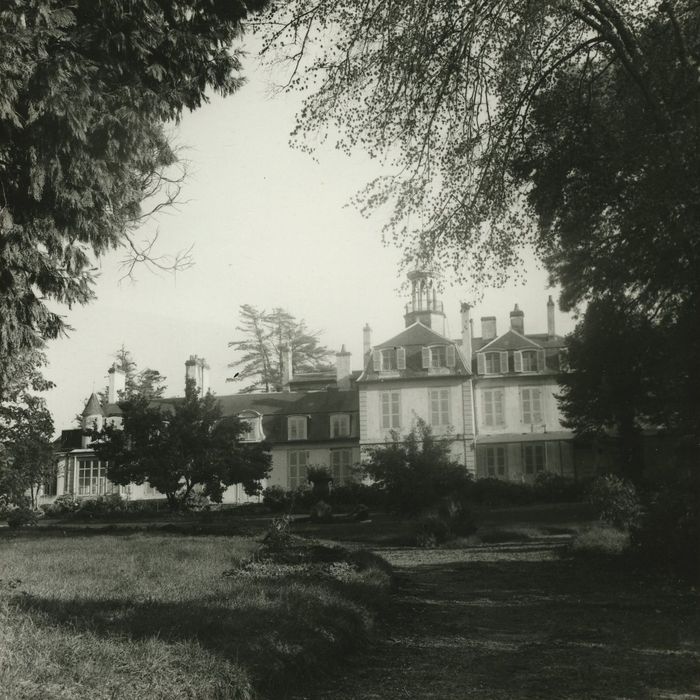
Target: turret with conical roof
column 93, row 416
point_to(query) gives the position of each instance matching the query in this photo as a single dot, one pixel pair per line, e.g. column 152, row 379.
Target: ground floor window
column 341, row 466
column 534, row 457
column 297, row 463
column 496, row 461
column 92, row 478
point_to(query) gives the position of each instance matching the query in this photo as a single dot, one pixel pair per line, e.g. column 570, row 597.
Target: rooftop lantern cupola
column 424, row 305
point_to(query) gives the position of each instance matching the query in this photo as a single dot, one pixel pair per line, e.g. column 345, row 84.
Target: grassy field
column 167, row 616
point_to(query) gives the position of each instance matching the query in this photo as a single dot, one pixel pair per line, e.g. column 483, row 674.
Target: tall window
column 92, row 478
column 493, row 362
column 493, row 408
column 439, row 407
column 297, row 462
column 341, row 466
column 529, row 360
column 391, row 410
column 496, row 461
column 253, row 431
column 531, row 404
column 340, row 425
column 388, row 359
column 534, row 457
column 296, row 428
column 438, row 356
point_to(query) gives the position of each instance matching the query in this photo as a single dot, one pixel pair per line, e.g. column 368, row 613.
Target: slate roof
column 93, row 407
column 413, row 339
column 275, row 407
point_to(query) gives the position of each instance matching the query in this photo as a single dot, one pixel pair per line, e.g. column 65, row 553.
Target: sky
column 270, row 226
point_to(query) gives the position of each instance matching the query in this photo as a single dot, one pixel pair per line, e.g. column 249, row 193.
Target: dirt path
column 518, row 621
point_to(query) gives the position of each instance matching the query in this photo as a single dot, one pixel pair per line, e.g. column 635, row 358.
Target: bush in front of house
column 277, row 499
column 321, row 512
column 497, row 493
column 65, row 504
column 616, row 502
column 431, row 531
column 554, row 488
column 668, row 533
column 22, row 516
column 601, row 539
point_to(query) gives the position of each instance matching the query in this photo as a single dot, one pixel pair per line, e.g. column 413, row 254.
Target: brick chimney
column 517, row 320
column 488, row 327
column 466, row 335
column 342, row 369
column 550, row 317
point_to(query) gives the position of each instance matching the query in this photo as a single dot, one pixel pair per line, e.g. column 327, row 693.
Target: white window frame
column 496, row 459
column 297, row 467
column 340, row 425
column 495, row 356
column 531, row 452
column 493, row 402
column 92, row 478
column 341, row 466
column 390, row 410
column 531, row 405
column 253, row 419
column 531, row 356
column 439, row 401
column 297, row 428
column 388, row 361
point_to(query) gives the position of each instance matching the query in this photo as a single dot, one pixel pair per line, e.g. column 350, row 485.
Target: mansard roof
column 415, row 334
column 510, row 340
column 413, row 339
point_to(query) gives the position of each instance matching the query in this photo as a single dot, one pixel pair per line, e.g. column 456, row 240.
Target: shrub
column 553, row 488
column 101, row 505
column 601, row 539
column 356, row 492
column 669, row 533
column 495, row 493
column 616, row 502
column 277, row 499
column 321, row 512
column 196, row 502
column 431, row 531
column 22, row 517
column 359, row 513
column 62, row 505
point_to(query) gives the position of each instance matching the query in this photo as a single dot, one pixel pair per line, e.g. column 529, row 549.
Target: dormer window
column 528, row 360
column 438, row 356
column 389, row 359
column 340, row 425
column 296, row 427
column 253, row 425
column 495, row 362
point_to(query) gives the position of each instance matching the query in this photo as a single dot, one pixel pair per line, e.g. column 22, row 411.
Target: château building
column 491, row 396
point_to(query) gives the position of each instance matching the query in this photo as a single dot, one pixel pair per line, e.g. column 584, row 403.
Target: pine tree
column 265, row 337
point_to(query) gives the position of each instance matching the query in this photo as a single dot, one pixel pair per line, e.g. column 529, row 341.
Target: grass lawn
column 150, row 615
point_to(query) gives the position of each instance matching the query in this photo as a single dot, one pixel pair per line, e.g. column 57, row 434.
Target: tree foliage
column 569, row 125
column 26, row 430
column 415, row 471
column 177, row 446
column 147, row 383
column 85, row 89
column 265, row 337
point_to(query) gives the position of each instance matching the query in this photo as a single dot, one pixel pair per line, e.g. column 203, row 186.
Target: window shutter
column 376, row 360
column 504, row 363
column 518, row 361
column 426, row 357
column 481, row 363
column 400, row 358
column 540, row 360
column 451, row 360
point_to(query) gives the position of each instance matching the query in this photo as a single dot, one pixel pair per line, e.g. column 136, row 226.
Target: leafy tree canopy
column 179, row 445
column 572, row 126
column 26, row 431
column 265, row 337
column 85, row 88
column 415, row 471
column 148, row 383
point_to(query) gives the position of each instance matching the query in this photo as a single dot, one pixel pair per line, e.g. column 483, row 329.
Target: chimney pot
column 488, row 327
column 517, row 320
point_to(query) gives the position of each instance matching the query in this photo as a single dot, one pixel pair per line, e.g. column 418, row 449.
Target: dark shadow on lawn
column 531, row 629
column 266, row 639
